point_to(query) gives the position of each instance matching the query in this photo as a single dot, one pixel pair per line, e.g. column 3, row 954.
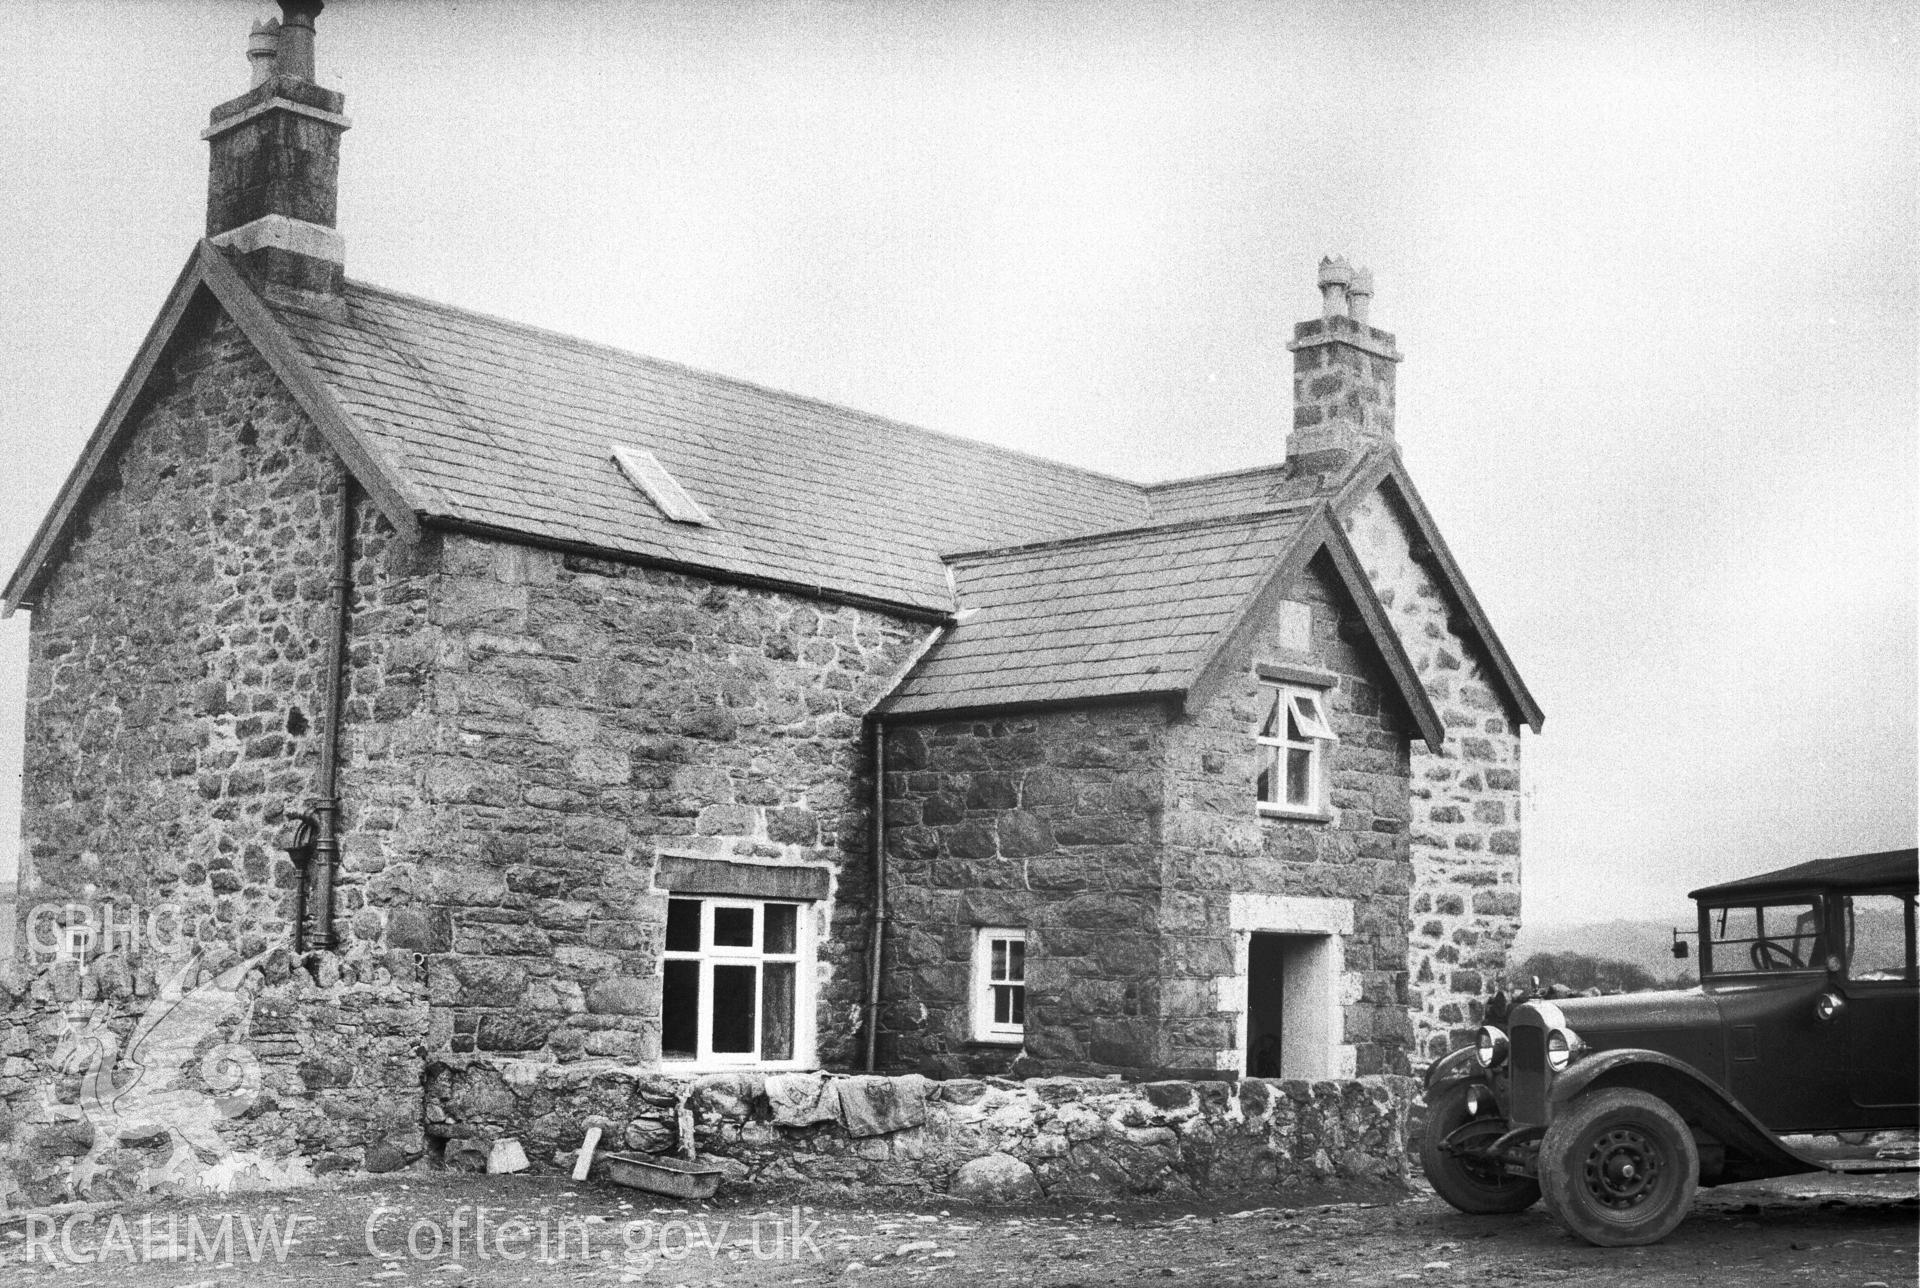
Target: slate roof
column 1237, row 492
column 508, row 427
column 1121, row 613
column 454, row 419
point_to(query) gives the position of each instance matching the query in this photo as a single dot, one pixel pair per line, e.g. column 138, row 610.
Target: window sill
column 1001, row 1040
column 680, row 1064
column 1294, row 815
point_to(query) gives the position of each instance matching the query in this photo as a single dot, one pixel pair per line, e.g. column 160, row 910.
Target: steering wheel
column 1768, row 954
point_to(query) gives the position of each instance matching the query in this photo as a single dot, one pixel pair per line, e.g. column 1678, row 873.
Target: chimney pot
column 1360, row 295
column 296, row 37
column 1335, row 273
column 263, row 47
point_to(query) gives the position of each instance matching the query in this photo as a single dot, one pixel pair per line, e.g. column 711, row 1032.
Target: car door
column 1765, row 965
column 1882, row 1015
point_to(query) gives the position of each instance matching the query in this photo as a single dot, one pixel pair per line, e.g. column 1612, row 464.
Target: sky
column 1652, row 265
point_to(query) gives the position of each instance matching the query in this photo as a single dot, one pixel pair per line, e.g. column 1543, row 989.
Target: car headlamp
column 1562, row 1046
column 1491, row 1048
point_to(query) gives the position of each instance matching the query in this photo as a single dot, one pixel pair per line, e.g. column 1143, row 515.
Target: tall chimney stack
column 273, row 172
column 1342, row 375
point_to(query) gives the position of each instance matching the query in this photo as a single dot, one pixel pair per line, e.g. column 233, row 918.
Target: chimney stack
column 274, row 166
column 1342, row 375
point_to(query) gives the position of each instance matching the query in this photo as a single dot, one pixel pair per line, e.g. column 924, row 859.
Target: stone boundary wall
column 132, row 1075
column 993, row 1139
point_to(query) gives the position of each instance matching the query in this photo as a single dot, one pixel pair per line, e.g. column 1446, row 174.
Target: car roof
column 1850, row 872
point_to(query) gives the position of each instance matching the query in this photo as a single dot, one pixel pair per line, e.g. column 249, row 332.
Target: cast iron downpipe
column 317, row 926
column 878, row 940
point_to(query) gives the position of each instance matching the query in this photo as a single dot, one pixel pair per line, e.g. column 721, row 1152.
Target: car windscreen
column 1751, row 938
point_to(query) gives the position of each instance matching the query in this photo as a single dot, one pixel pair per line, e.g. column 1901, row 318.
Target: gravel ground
column 355, row 1234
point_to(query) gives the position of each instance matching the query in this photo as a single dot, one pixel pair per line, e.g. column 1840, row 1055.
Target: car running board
column 1830, row 1155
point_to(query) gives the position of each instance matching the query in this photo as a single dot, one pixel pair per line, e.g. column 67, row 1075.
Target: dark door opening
column 1266, row 994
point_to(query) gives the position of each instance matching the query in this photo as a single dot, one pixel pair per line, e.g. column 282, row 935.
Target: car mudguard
column 1753, row 1152
column 1455, row 1066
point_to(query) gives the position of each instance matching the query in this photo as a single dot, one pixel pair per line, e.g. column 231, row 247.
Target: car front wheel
column 1475, row 1186
column 1619, row 1167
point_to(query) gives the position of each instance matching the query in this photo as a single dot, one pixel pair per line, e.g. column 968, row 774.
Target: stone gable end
column 1335, row 888
column 173, row 718
column 175, row 693
column 1466, row 799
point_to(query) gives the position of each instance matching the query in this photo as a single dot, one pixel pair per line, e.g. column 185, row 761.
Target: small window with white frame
column 76, row 942
column 1000, row 985
column 735, row 986
column 1293, row 739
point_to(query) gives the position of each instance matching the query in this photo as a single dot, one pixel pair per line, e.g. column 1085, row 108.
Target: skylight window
column 646, row 472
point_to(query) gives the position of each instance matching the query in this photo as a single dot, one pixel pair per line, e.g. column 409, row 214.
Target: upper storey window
column 1293, row 740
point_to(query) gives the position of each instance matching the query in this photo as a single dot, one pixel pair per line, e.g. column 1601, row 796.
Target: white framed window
column 75, row 943
column 1293, row 738
column 999, row 984
column 736, row 984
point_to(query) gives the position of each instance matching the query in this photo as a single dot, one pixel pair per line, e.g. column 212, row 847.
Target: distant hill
column 1649, row 944
column 1646, row 944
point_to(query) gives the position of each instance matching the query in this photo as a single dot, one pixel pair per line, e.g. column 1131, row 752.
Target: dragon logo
column 176, row 1077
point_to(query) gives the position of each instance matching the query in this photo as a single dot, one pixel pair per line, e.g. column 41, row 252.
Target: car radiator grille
column 1530, row 1077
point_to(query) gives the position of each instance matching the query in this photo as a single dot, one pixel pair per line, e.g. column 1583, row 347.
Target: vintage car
column 1806, row 1023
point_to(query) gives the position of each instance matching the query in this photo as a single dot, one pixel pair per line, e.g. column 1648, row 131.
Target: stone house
column 499, row 692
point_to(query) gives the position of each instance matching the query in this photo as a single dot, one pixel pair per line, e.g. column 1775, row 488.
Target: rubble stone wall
column 174, row 687
column 1466, row 799
column 1080, row 1138
column 587, row 718
column 1047, row 821
column 205, row 1071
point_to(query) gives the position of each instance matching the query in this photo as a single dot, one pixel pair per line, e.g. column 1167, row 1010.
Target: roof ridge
column 1246, row 518
column 595, row 346
column 1215, row 476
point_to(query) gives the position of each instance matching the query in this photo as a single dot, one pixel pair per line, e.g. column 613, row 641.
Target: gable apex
column 206, row 274
column 1323, row 534
column 1382, row 469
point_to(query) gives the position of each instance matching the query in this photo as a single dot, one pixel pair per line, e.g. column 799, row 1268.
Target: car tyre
column 1477, row 1189
column 1619, row 1167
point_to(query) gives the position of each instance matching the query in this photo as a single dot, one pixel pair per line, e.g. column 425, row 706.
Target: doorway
column 1293, row 1008
column 1266, row 1004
